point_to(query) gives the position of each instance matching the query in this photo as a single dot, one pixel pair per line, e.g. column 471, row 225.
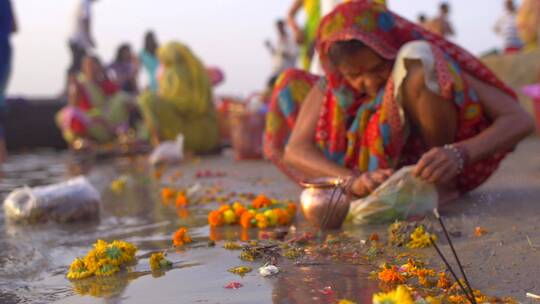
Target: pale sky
column 226, row 33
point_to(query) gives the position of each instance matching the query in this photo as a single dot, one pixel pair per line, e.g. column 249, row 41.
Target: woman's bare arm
column 291, row 20
column 510, row 122
column 301, row 151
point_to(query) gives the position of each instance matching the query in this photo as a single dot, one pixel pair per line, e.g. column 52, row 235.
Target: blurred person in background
column 528, row 23
column 8, row 26
column 284, row 53
column 124, row 69
column 149, row 61
column 441, row 24
column 506, row 28
column 81, row 40
column 183, row 103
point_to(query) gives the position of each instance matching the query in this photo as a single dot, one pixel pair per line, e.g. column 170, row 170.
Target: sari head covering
column 366, row 134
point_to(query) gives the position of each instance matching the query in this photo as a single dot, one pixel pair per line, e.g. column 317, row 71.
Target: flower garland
column 262, row 213
column 105, row 259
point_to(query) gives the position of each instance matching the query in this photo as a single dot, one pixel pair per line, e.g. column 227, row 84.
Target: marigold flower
column 232, row 246
column 345, row 301
column 78, row 270
column 479, row 231
column 224, row 208
column 443, row 281
column 261, row 201
column 246, row 219
column 272, row 217
column 167, row 194
column 398, row 296
column 420, row 238
column 283, row 217
column 106, row 269
column 240, row 270
column 118, row 185
column 391, row 275
column 181, row 200
column 181, row 237
column 215, row 218
column 291, row 208
column 238, row 211
column 262, row 221
column 158, row 261
column 229, row 217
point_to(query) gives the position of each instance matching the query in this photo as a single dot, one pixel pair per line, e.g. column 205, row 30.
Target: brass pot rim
column 322, row 182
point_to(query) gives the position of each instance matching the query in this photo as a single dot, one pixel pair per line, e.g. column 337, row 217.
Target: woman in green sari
column 183, row 103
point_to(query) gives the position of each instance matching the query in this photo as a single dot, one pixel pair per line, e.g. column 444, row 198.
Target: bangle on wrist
column 460, row 154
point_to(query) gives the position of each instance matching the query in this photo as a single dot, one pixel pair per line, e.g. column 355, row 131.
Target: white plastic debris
column 171, row 151
column 269, row 270
column 532, row 296
column 73, row 200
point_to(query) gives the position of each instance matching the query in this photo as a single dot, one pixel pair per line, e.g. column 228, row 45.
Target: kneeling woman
column 183, row 103
column 393, row 95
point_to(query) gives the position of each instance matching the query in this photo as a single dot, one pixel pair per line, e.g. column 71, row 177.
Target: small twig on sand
column 533, row 247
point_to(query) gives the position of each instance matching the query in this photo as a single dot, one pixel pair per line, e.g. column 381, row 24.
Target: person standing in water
column 506, row 27
column 305, row 37
column 441, row 24
column 81, row 40
column 284, row 53
column 8, row 26
column 149, row 60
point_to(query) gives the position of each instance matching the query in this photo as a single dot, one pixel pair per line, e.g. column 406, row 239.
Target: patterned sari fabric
column 312, row 9
column 98, row 114
column 369, row 134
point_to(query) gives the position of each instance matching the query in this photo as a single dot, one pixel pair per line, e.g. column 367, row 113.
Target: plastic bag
column 73, row 200
column 168, row 151
column 400, row 197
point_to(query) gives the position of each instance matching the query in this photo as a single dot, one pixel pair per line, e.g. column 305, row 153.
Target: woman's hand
column 438, row 166
column 369, row 181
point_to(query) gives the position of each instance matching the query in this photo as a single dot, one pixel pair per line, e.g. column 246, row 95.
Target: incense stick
column 438, row 216
column 473, row 300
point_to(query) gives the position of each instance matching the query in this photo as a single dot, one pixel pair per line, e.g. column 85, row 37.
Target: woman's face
column 365, row 71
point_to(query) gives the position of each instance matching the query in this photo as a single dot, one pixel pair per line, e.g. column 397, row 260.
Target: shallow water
column 34, row 259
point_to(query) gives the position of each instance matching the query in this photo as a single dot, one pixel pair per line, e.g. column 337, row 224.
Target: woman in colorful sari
column 97, row 111
column 528, row 23
column 394, row 94
column 183, row 103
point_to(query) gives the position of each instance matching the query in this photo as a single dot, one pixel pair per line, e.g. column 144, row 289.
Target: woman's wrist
column 460, row 154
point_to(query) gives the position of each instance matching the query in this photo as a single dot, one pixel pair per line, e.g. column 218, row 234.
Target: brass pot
column 316, row 201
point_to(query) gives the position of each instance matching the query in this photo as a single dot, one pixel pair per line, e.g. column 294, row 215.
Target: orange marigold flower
column 224, row 208
column 167, row 194
column 284, row 218
column 443, row 281
column 479, row 231
column 391, row 275
column 291, row 208
column 181, row 237
column 215, row 218
column 239, row 211
column 261, row 201
column 181, row 200
column 245, row 219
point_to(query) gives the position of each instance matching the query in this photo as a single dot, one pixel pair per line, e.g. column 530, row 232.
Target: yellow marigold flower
column 229, row 217
column 181, row 237
column 272, row 217
column 240, row 270
column 345, row 301
column 158, row 261
column 237, row 205
column 232, row 246
column 118, row 185
column 262, row 221
column 78, row 270
column 91, row 260
column 391, row 275
column 398, row 296
column 420, row 238
column 106, row 269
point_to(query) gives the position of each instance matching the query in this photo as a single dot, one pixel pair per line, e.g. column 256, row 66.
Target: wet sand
column 500, row 263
